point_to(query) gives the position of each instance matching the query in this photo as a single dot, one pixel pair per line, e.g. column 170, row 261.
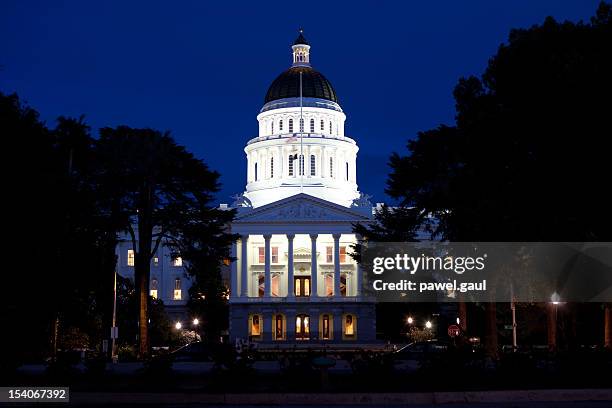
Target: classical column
column 314, row 287
column 268, row 276
column 290, row 288
column 336, row 265
column 244, row 268
column 358, row 272
column 234, row 279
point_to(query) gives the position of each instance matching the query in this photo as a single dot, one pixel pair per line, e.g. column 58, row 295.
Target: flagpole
column 302, row 160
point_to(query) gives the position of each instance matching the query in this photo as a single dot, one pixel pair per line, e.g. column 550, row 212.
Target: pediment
column 302, row 208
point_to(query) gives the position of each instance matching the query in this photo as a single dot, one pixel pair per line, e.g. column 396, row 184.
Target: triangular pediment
column 302, row 208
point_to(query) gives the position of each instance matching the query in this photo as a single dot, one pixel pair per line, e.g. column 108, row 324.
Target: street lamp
column 196, row 321
column 428, row 324
column 410, row 320
column 178, row 325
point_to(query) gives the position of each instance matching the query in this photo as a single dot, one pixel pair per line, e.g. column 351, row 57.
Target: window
column 153, row 291
column 177, row 289
column 177, row 261
column 272, row 127
column 130, row 257
column 331, row 167
column 279, row 327
column 274, row 255
column 325, row 327
column 347, row 171
column 302, row 327
column 349, row 325
column 261, row 285
column 329, row 285
column 313, row 165
column 330, row 127
column 322, row 124
column 280, row 124
column 276, row 285
column 301, row 164
column 312, row 126
column 343, row 254
column 301, row 125
column 261, row 255
column 156, row 261
column 255, row 171
column 290, row 125
column 329, row 254
column 272, row 167
column 255, row 326
column 302, row 286
column 343, row 286
column 291, row 160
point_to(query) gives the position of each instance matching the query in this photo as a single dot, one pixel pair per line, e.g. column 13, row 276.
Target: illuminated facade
column 294, row 282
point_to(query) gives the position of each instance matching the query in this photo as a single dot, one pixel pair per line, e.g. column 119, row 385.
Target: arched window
column 280, row 125
column 347, row 171
column 331, row 167
column 255, row 326
column 322, row 124
column 279, row 327
column 326, row 325
column 312, row 126
column 313, row 165
column 272, row 167
column 291, row 160
column 350, row 322
column 290, row 125
column 301, row 164
column 255, row 171
column 302, row 327
column 301, row 124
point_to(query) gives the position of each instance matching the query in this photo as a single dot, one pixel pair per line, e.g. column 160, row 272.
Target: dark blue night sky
column 201, row 69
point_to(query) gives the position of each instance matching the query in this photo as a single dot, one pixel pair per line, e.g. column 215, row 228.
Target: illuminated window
column 290, row 125
column 156, row 261
column 329, row 254
column 279, row 327
column 329, row 285
column 312, row 126
column 343, row 254
column 343, row 286
column 271, row 167
column 255, row 326
column 274, row 255
column 130, row 257
column 322, row 124
column 302, row 327
column 153, row 291
column 313, row 164
column 261, row 255
column 349, row 325
column 302, row 286
column 276, row 285
column 331, row 167
column 227, row 261
column 280, row 124
column 325, row 327
column 261, row 285
column 178, row 293
column 178, row 261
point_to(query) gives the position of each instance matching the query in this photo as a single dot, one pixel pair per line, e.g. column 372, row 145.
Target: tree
column 157, row 188
column 523, row 160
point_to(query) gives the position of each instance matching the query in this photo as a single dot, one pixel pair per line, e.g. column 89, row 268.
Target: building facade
column 294, row 282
